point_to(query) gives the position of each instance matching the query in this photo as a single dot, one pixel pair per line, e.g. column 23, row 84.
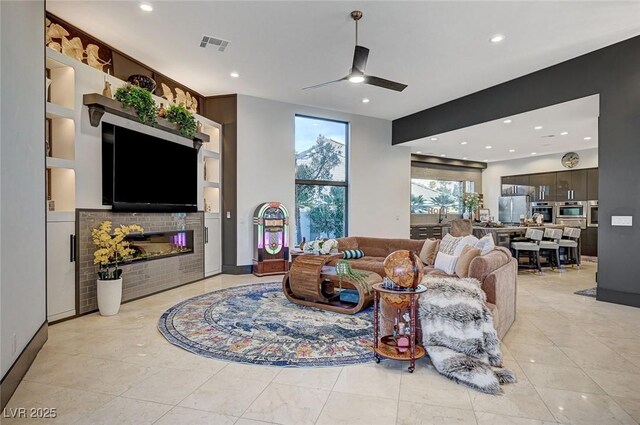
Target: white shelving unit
column 211, row 178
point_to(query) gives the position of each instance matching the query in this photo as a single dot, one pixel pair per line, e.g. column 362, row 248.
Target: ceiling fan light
column 356, row 79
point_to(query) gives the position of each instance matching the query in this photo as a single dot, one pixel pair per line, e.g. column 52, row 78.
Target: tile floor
column 577, row 362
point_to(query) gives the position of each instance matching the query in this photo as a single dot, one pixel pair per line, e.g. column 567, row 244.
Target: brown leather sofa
column 497, row 272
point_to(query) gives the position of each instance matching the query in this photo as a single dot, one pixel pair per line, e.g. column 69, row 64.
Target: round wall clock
column 570, row 160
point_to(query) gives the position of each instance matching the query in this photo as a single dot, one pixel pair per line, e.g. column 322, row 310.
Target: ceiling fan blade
column 360, row 56
column 385, row 84
column 325, row 84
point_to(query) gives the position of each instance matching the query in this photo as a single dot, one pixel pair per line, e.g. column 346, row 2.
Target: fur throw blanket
column 458, row 333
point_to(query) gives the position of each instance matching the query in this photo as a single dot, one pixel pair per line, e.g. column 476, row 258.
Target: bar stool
column 569, row 245
column 531, row 247
column 551, row 246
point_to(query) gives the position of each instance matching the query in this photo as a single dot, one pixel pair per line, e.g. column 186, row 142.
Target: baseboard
column 618, row 297
column 237, row 269
column 14, row 376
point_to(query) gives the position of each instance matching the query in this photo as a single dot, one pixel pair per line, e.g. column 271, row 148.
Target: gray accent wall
column 614, row 73
column 22, row 199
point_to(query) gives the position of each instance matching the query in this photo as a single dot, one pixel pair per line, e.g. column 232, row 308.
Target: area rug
column 591, row 292
column 257, row 324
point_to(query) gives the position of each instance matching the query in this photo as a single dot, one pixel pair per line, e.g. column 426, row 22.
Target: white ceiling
column 440, row 49
column 578, row 118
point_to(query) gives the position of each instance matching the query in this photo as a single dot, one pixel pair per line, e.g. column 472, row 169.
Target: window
column 321, row 178
column 428, row 196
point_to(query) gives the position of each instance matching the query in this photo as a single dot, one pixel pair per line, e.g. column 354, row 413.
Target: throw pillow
column 446, row 262
column 486, row 244
column 429, row 251
column 467, row 255
column 352, row 254
column 468, row 240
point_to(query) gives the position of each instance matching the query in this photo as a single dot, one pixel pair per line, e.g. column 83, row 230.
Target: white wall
column 22, row 220
column 491, row 177
column 379, row 174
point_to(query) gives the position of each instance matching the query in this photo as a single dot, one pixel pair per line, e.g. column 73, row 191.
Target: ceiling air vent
column 218, row 43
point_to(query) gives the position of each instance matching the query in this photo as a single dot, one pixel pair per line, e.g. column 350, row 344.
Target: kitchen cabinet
column 544, row 186
column 592, row 184
column 515, row 185
column 589, row 242
column 571, row 185
column 426, row 232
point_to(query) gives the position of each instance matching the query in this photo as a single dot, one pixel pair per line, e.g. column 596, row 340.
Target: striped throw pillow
column 352, row 254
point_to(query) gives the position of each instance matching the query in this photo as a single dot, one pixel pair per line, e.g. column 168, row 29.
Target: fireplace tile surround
column 143, row 277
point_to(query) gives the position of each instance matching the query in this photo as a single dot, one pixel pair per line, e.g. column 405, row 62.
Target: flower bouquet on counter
column 322, row 247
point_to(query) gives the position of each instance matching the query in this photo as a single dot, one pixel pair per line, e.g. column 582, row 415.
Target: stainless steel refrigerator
column 512, row 207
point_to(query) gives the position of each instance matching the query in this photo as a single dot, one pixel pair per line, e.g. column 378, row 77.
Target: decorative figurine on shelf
column 198, row 127
column 106, row 92
column 162, row 113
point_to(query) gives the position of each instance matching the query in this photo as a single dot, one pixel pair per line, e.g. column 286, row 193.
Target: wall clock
column 570, row 160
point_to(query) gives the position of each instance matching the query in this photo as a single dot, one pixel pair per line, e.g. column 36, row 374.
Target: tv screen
column 147, row 173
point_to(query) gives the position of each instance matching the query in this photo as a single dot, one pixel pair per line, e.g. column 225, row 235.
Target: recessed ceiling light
column 587, row 138
column 564, row 133
column 442, row 154
column 365, row 100
column 507, row 121
column 463, row 143
column 533, row 153
column 464, row 157
column 486, row 160
column 418, row 151
column 234, row 74
column 488, row 147
column 512, row 150
column 433, row 139
column 146, row 7
column 537, row 127
column 497, row 38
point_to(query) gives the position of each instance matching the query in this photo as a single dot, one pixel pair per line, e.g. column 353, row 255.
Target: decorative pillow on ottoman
column 429, row 251
column 467, row 255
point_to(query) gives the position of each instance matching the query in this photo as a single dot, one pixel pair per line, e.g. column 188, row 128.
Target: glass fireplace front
column 154, row 245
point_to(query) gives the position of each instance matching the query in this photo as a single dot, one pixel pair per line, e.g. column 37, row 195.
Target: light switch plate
column 622, row 220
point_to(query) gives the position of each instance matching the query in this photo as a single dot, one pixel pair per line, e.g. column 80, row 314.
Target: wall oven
column 571, row 209
column 545, row 209
column 592, row 214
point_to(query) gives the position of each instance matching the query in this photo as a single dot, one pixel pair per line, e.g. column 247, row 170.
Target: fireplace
column 156, row 245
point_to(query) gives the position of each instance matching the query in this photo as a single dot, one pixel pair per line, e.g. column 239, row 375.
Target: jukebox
column 271, row 234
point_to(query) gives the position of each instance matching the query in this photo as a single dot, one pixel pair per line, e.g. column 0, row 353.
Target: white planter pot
column 109, row 296
column 466, row 215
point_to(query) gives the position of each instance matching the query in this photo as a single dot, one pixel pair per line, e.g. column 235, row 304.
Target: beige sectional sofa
column 497, row 272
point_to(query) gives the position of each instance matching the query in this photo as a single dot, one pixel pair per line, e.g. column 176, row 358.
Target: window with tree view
column 429, row 196
column 321, row 178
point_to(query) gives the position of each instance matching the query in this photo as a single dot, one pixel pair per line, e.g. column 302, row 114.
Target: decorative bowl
column 142, row 81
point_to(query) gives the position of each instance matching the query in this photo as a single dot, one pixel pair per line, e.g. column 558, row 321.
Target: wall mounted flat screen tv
column 146, row 173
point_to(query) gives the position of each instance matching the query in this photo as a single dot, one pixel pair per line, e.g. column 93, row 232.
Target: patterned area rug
column 257, row 324
column 591, row 292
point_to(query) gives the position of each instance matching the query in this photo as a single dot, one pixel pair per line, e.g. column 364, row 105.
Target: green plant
column 344, row 271
column 140, row 100
column 184, row 119
column 471, row 201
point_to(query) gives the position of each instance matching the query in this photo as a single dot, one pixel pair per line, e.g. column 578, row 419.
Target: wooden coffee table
column 311, row 282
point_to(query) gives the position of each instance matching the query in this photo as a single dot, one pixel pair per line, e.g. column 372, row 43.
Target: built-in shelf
column 61, row 216
column 99, row 104
column 211, row 184
column 210, row 154
column 60, row 163
column 58, row 111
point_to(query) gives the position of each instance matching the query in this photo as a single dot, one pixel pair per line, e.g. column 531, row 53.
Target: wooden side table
column 385, row 350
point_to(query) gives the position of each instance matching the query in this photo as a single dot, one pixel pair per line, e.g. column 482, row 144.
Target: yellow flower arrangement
column 112, row 248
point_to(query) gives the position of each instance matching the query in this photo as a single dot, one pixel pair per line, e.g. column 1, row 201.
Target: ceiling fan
column 357, row 75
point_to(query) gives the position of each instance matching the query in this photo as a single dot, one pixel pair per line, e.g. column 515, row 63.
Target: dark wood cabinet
column 571, row 185
column 515, row 185
column 426, row 232
column 544, row 186
column 589, row 241
column 592, row 184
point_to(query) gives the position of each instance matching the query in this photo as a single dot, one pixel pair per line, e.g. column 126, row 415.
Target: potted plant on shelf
column 186, row 122
column 111, row 249
column 141, row 100
column 470, row 203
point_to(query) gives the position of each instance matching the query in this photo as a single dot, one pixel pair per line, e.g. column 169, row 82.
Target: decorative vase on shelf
column 162, row 113
column 466, row 215
column 109, row 296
